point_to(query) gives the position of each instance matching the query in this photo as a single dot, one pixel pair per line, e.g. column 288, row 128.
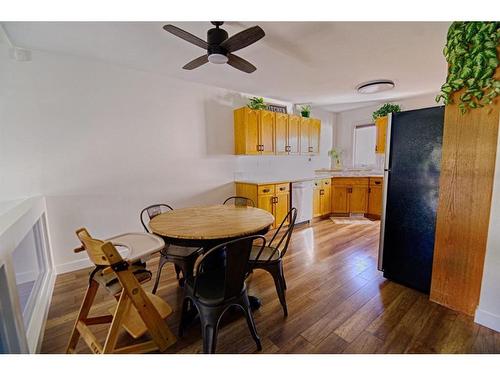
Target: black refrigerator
column 410, row 196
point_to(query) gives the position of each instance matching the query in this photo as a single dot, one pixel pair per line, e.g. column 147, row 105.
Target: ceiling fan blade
column 186, row 36
column 243, row 39
column 241, row 64
column 193, row 64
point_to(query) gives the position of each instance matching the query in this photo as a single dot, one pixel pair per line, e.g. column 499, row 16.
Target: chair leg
column 177, row 271
column 251, row 323
column 82, row 315
column 163, row 261
column 209, row 332
column 282, row 275
column 277, row 276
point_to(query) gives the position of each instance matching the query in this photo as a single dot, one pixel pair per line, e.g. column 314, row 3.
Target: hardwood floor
column 337, row 301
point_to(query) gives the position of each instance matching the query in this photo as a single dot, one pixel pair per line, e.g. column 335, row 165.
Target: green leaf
column 489, row 44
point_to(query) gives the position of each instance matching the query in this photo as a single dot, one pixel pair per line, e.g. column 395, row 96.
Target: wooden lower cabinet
column 350, row 195
column 274, row 198
column 375, row 197
column 322, row 197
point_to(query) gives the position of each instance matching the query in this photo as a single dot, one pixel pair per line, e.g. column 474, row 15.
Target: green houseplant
column 471, row 53
column 336, row 155
column 305, row 110
column 385, row 110
column 256, row 103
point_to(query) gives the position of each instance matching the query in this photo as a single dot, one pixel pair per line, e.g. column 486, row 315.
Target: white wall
column 346, row 122
column 102, row 141
column 488, row 311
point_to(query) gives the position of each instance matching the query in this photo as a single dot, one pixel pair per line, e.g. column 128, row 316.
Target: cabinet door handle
column 377, row 182
column 266, row 190
column 276, row 199
column 262, row 147
column 321, row 192
column 258, row 147
column 369, row 190
column 282, row 188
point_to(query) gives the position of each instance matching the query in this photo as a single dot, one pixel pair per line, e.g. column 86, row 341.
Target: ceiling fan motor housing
column 215, row 37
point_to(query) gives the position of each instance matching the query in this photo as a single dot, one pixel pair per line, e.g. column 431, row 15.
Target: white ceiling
column 301, row 62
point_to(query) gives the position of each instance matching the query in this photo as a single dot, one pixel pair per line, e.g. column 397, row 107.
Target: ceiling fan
column 220, row 46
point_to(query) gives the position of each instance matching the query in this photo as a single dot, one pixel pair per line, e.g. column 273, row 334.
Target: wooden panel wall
column 466, row 182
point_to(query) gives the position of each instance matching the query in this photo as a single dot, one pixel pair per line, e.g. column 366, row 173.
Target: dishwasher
column 302, row 200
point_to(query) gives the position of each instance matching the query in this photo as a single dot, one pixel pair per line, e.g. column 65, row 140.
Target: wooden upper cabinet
column 267, row 131
column 381, row 125
column 254, row 131
column 261, row 132
column 282, row 131
column 293, row 134
column 314, row 135
column 246, row 131
column 305, row 124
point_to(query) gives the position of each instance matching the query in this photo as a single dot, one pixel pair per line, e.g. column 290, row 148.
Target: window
column 364, row 145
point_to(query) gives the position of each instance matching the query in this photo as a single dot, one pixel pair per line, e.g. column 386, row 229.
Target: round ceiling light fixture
column 217, row 58
column 374, row 86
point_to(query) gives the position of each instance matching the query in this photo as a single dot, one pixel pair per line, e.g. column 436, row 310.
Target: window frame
column 359, row 125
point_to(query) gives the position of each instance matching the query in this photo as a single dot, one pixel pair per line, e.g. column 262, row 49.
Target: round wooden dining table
column 210, row 226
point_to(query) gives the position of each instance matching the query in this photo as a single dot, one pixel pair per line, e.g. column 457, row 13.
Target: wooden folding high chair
column 137, row 311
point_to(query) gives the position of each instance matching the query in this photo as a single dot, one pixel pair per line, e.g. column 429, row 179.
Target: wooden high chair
column 137, row 311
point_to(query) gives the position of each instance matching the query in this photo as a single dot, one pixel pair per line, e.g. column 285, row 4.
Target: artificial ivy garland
column 471, row 53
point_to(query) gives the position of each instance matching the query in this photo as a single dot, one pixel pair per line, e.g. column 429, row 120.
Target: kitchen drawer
column 282, row 188
column 363, row 181
column 375, row 181
column 266, row 189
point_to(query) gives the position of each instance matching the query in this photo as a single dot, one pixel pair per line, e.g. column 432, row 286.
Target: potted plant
column 385, row 110
column 472, row 54
column 336, row 156
column 256, row 103
column 305, row 110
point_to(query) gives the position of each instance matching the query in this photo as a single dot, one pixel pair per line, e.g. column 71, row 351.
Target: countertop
column 318, row 175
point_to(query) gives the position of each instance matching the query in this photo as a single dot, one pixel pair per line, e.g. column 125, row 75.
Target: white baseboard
column 487, row 319
column 73, row 266
column 79, row 264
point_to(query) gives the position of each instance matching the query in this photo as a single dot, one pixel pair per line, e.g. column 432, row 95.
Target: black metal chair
column 214, row 290
column 270, row 257
column 183, row 258
column 240, row 201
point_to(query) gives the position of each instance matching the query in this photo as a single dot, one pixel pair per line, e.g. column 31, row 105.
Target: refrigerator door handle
column 387, row 171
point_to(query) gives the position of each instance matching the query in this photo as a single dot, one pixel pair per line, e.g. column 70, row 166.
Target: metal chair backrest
column 152, row 211
column 235, row 256
column 240, row 201
column 281, row 244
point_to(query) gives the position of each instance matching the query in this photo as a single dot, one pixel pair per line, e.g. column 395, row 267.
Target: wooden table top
column 211, row 223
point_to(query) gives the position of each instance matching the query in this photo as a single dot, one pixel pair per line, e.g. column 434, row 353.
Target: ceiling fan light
column 374, row 86
column 217, row 58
